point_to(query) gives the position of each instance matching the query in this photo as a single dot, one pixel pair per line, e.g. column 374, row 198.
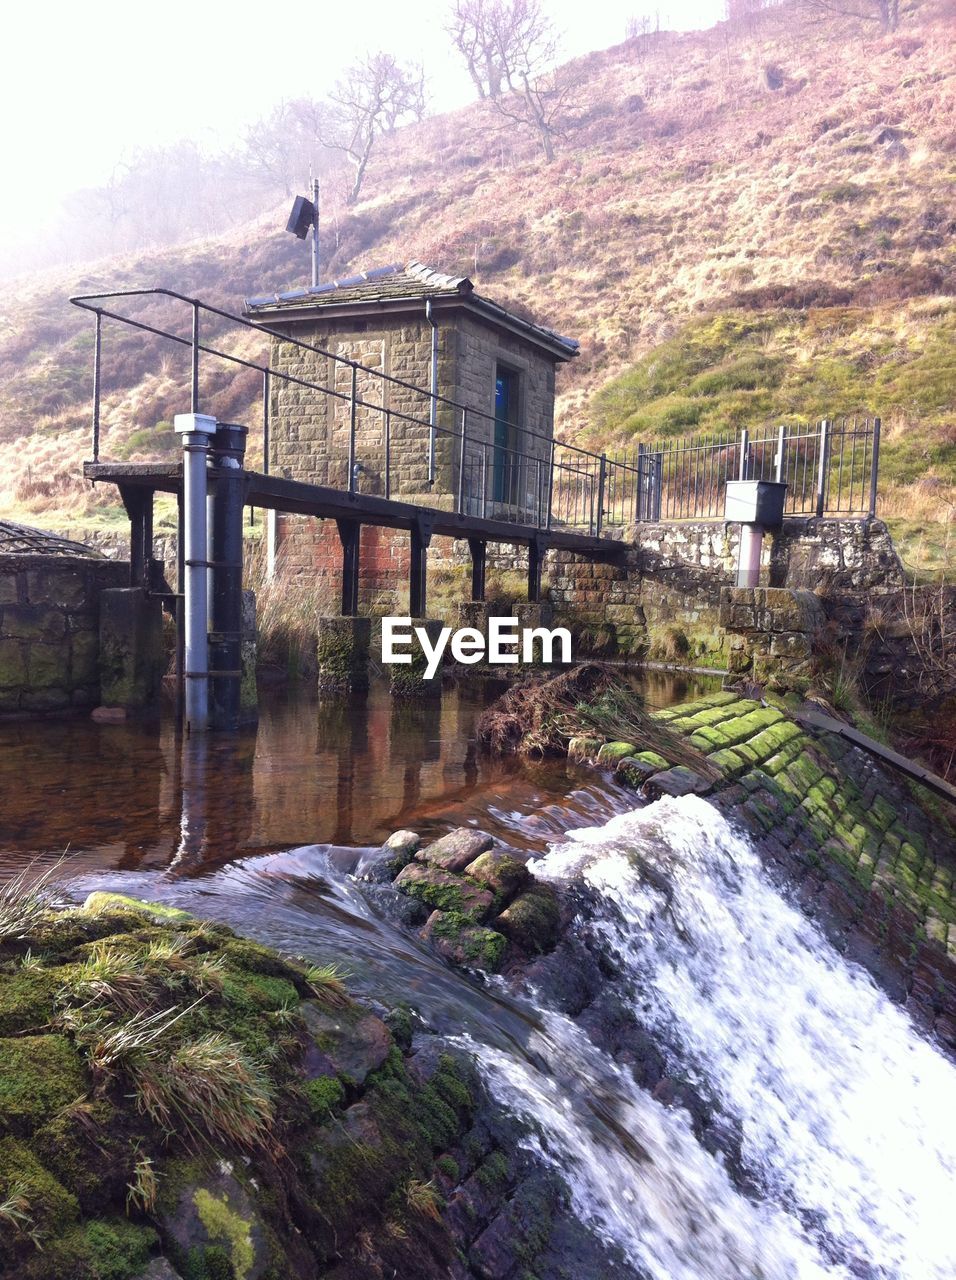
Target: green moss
column 259, row 959
column 611, row 752
column 447, row 1166
column 49, row 1205
column 38, row 1076
column 494, row 1171
column 654, row 758
column 102, row 902
column 225, row 1224
column 26, row 998
column 532, row 920
column 258, row 991
column 324, row 1094
column 477, row 946
column 101, row 1249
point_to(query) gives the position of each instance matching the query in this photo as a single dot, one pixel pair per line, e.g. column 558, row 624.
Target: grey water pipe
column 196, row 430
column 433, row 410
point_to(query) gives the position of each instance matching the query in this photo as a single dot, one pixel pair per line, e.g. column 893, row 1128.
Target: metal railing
column 830, row 469
column 537, row 482
column 449, row 452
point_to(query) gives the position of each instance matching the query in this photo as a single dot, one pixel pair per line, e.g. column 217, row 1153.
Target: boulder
column 532, row 920
column 444, row 891
column 209, row 1211
column 464, row 943
column 500, row 871
column 454, row 851
column 349, row 1042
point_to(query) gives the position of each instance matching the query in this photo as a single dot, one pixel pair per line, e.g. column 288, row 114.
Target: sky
column 84, row 85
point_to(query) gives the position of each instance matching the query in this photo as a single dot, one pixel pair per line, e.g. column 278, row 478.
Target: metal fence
column 830, row 470
column 538, row 482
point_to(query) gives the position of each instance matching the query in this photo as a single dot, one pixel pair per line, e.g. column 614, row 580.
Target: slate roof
column 395, row 284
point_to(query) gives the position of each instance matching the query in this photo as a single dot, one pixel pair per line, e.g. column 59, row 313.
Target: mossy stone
column 462, row 942
column 532, row 920
column 38, row 1076
column 444, row 891
column 50, row 1206
column 26, row 998
column 611, row 752
column 500, row 871
column 102, row 902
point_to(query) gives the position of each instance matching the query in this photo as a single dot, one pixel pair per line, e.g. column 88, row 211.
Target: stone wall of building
column 49, row 630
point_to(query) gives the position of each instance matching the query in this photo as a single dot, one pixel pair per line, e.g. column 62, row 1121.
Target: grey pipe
column 433, row 411
column 196, row 430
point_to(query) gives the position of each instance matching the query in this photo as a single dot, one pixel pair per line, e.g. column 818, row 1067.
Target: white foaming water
column 848, row 1115
column 635, row 1170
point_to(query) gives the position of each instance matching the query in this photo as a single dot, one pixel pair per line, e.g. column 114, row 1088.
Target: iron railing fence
column 452, row 446
column 540, row 483
column 830, row 469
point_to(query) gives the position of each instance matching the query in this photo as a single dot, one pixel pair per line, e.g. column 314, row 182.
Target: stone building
column 453, row 362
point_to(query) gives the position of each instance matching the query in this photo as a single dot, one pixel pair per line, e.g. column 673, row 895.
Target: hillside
column 816, row 217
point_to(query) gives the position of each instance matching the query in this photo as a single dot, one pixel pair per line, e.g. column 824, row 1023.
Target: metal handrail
column 93, row 303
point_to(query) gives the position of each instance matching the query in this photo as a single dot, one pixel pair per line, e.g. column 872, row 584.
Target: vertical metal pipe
column 196, row 429
column 194, row 380
column 97, row 358
column 433, row 405
column 748, row 556
column 461, row 462
column 315, row 231
column 550, row 484
column 352, row 413
column 225, row 631
column 388, row 453
column 484, row 480
column 266, row 441
column 874, row 466
column 822, row 469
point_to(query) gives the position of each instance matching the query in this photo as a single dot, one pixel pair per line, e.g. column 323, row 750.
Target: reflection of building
column 464, row 359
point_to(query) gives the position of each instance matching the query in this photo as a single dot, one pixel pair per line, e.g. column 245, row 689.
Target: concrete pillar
column 132, row 661
column 408, row 679
column 343, row 650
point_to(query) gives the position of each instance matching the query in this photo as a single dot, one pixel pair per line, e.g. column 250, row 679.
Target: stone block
column 33, row 622
column 66, row 588
column 13, row 664
column 9, row 588
column 454, row 851
column 84, row 658
column 48, row 667
column 790, row 644
column 342, row 649
column 132, row 660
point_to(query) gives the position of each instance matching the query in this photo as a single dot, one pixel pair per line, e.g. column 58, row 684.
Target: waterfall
column 847, row 1113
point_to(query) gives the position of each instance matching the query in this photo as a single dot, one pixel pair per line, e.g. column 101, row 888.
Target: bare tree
column 544, row 104
column 885, row 12
column 374, row 96
column 502, row 42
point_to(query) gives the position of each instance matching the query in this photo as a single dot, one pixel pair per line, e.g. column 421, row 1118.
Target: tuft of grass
column 15, row 1213
column 327, row 983
column 110, row 1044
column 209, row 1088
column 423, row 1197
column 26, row 901
column 142, row 1191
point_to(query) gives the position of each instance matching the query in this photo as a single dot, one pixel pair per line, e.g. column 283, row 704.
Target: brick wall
column 49, row 630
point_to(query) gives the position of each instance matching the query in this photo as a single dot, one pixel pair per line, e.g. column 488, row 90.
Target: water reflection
column 335, row 772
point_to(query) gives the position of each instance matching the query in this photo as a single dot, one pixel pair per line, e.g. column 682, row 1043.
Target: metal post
column 478, row 550
column 352, row 411
column 225, row 635
column 461, row 462
column 781, row 446
column 194, row 391
column 550, row 485
column 874, row 466
column 349, row 535
column 195, row 429
column 315, row 231
column 266, row 442
column 744, row 454
column 484, row 480
column 388, row 453
column 602, row 481
column 641, row 504
column 97, row 357
column 824, row 463
column 535, row 558
column 417, row 572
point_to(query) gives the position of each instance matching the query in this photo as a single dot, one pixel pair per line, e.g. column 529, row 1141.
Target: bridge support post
column 342, row 650
column 350, row 535
column 479, row 550
column 418, row 567
column 536, row 549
